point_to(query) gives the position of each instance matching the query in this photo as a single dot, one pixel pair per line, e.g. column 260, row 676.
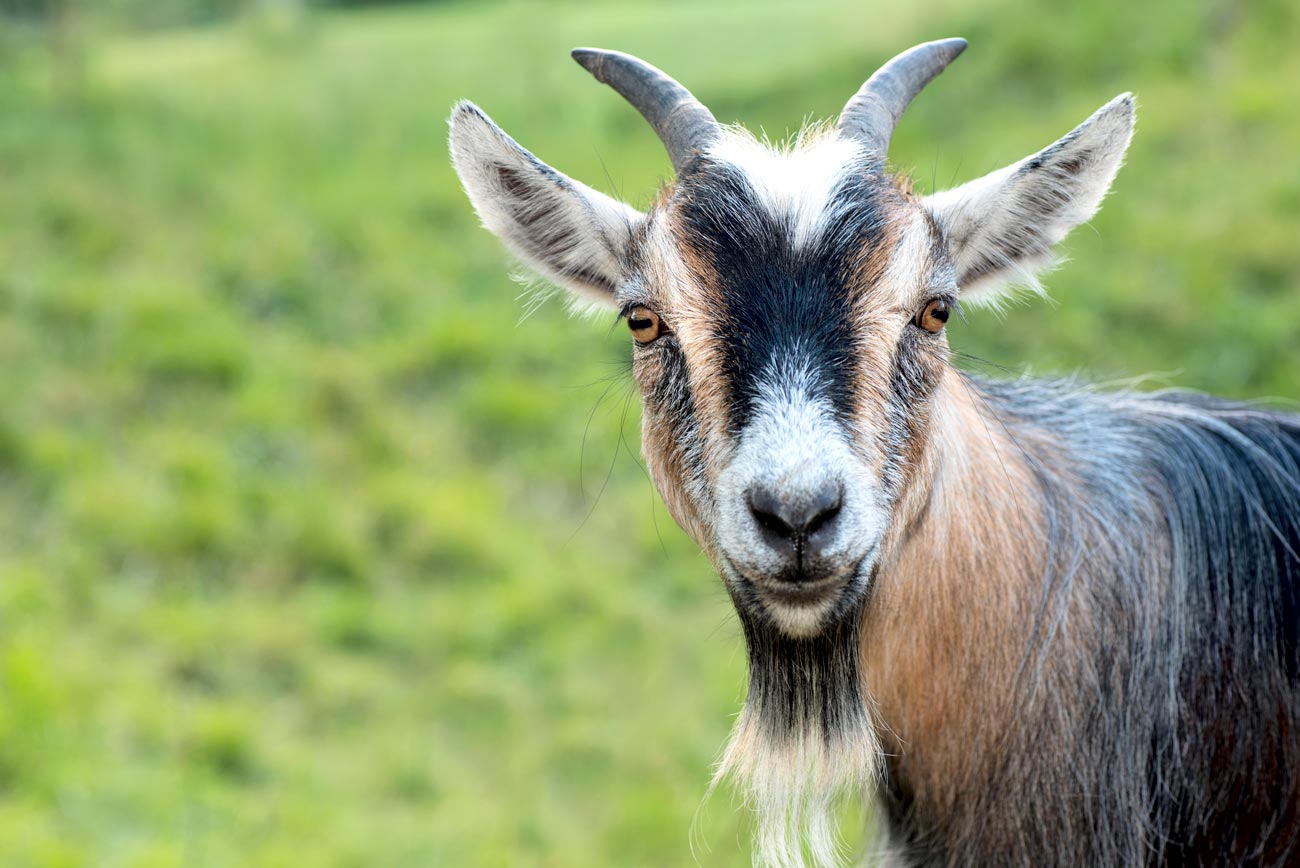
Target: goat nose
column 795, row 522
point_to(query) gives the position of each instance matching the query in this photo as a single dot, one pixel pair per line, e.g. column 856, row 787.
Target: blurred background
column 314, row 551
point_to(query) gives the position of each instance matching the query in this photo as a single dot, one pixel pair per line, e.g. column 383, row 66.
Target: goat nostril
column 823, row 508
column 774, row 524
column 823, row 518
column 766, row 510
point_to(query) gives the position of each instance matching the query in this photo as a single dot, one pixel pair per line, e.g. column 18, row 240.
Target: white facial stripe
column 795, row 184
column 795, row 445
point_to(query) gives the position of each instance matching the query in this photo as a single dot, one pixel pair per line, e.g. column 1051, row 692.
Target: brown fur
column 942, row 690
column 691, row 295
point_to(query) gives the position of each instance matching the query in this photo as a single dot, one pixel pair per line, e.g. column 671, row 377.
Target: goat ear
column 1002, row 227
column 564, row 230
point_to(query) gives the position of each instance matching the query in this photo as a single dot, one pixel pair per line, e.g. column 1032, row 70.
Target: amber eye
column 933, row 316
column 644, row 324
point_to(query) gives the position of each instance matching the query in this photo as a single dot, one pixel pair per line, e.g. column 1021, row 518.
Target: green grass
column 313, row 554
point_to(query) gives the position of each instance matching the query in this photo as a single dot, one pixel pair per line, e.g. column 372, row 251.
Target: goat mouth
column 800, row 607
column 801, row 592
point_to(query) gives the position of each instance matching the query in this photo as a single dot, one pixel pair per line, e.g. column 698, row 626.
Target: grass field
column 313, row 554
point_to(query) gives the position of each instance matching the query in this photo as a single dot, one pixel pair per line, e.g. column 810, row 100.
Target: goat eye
column 644, row 324
column 933, row 316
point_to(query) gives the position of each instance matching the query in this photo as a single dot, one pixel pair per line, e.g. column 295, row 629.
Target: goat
column 1036, row 622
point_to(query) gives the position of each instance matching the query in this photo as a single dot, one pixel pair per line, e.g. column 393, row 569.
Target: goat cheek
column 646, row 372
column 666, row 464
column 916, row 373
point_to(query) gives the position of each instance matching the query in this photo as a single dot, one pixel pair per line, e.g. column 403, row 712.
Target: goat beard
column 804, row 741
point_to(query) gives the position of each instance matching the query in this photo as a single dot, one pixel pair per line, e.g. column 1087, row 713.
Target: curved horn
column 681, row 120
column 872, row 114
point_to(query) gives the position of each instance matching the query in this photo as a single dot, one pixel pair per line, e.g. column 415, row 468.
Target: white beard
column 796, row 788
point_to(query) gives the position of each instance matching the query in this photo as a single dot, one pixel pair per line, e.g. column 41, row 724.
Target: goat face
column 798, row 300
column 787, row 310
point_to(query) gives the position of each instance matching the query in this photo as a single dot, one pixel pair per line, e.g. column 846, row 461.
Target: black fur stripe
column 779, row 303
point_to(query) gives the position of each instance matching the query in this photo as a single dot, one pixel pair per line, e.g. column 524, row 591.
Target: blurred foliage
column 149, row 14
column 316, row 554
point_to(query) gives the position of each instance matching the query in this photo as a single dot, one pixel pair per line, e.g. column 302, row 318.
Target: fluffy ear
column 1001, row 227
column 566, row 231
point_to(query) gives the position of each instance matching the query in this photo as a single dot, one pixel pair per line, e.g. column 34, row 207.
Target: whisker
column 582, row 449
column 609, row 473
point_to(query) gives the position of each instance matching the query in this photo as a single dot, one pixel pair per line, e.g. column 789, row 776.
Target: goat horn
column 681, row 120
column 872, row 114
